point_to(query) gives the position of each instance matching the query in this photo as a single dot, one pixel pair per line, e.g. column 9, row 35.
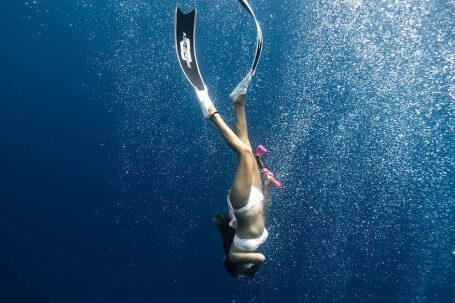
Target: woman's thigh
column 243, row 180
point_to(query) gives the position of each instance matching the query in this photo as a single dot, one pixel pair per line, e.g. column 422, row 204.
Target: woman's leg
column 234, row 142
column 243, row 179
column 241, row 127
column 242, row 131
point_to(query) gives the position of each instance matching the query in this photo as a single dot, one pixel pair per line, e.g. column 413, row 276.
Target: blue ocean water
column 110, row 176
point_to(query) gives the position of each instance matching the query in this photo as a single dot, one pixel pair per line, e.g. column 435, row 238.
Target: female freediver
column 243, row 230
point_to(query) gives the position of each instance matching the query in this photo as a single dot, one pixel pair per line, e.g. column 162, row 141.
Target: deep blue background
column 109, row 175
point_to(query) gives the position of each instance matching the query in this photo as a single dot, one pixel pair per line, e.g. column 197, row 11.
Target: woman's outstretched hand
column 270, row 179
column 268, row 176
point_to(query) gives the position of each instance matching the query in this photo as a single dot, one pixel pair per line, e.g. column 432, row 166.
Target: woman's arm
column 246, row 257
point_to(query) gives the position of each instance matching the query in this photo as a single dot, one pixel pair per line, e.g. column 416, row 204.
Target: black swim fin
column 259, row 36
column 185, row 45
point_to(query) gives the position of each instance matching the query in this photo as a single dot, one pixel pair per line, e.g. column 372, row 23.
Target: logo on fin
column 185, row 50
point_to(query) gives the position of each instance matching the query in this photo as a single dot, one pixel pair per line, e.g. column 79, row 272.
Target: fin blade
column 259, row 36
column 185, row 44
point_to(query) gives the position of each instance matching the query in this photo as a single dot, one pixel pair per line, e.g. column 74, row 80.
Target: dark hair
column 230, row 267
column 232, row 271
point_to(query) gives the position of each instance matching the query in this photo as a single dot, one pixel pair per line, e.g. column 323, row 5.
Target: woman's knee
column 245, row 150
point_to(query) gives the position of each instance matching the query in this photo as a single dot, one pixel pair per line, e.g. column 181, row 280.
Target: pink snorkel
column 260, row 151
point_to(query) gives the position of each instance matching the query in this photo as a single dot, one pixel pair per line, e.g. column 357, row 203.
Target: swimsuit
column 255, row 197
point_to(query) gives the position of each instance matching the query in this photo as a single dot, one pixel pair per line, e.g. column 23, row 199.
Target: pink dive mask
column 260, row 150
